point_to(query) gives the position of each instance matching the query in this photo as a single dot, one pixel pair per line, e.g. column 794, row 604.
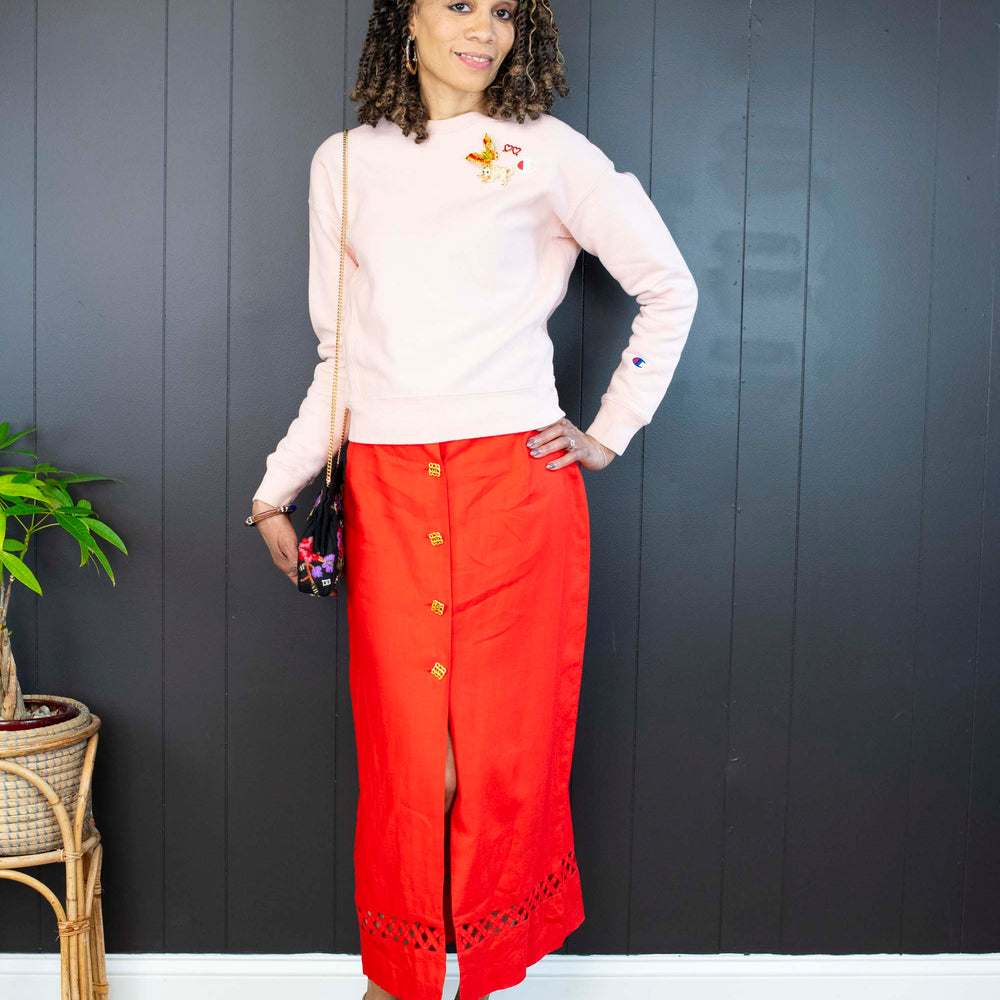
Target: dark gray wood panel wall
column 789, row 719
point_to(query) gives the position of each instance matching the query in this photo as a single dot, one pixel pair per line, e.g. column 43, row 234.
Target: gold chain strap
column 336, row 363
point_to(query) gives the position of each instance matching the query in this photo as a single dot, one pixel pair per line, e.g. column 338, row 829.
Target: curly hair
column 533, row 69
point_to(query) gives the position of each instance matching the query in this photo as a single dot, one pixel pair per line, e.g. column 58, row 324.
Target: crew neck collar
column 437, row 126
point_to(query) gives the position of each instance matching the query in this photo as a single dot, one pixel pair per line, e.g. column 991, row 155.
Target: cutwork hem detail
column 407, row 932
column 477, row 931
column 468, row 935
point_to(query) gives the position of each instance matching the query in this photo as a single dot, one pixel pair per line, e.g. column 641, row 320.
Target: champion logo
column 639, row 362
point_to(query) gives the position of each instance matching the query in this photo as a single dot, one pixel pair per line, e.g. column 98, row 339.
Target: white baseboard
column 555, row 977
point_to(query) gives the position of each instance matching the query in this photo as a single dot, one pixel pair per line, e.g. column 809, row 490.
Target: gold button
column 437, row 607
column 435, row 537
column 438, row 670
column 433, row 469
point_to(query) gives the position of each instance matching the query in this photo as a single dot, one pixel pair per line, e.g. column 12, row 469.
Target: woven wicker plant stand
column 24, row 790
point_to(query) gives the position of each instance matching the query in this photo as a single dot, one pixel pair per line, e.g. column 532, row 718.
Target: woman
column 466, row 521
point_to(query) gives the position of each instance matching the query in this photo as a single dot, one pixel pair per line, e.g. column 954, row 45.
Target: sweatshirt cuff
column 615, row 425
column 275, row 489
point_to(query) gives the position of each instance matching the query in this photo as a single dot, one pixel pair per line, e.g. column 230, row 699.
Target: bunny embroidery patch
column 491, row 170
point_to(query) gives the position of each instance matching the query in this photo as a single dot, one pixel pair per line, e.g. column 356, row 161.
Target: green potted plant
column 32, row 498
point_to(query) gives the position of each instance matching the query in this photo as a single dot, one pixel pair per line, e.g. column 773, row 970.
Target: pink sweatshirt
column 459, row 249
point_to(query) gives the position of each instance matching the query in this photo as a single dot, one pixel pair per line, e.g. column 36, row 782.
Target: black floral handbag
column 321, row 547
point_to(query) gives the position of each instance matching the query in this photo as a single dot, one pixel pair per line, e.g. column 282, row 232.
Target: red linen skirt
column 467, row 575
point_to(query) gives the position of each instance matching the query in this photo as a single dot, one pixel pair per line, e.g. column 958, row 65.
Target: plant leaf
column 20, row 572
column 9, row 488
column 73, row 526
column 96, row 549
column 22, row 507
column 73, row 478
column 5, row 430
column 12, row 545
column 57, row 493
column 80, row 533
column 100, row 528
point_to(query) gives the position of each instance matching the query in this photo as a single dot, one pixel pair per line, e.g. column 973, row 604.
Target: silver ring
column 572, row 443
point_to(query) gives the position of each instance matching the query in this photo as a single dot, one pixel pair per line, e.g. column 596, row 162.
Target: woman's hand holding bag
column 281, row 540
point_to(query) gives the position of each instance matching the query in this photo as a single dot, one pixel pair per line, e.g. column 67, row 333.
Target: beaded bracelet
column 285, row 508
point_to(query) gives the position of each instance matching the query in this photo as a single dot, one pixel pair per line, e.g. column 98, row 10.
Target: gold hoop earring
column 411, row 62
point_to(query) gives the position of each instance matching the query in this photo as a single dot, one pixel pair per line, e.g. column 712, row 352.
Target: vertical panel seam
column 226, row 557
column 923, row 473
column 736, row 471
column 163, row 482
column 638, row 587
column 34, row 381
column 798, row 492
column 985, row 481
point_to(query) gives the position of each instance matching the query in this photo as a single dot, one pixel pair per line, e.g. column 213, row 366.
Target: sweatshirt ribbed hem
column 425, row 419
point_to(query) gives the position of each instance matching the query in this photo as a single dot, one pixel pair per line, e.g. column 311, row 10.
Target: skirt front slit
column 467, row 574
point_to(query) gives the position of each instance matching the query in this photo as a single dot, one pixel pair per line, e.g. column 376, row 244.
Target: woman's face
column 474, row 27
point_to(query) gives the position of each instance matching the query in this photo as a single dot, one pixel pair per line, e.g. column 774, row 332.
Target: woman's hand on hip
column 281, row 540
column 579, row 447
